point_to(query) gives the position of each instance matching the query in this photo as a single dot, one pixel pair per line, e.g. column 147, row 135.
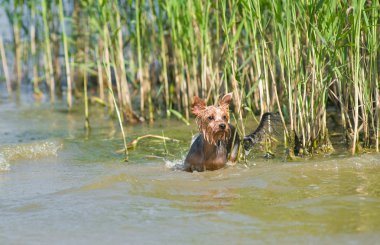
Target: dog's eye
column 224, row 117
column 211, row 118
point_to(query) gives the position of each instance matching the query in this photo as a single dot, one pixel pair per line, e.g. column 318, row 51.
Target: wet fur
column 215, row 145
column 205, row 156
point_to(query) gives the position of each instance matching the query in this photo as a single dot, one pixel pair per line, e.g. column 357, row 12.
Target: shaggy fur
column 218, row 141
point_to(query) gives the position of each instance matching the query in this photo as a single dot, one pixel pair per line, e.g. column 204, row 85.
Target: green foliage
column 297, row 57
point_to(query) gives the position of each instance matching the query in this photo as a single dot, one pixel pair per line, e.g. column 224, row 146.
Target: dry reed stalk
column 5, row 66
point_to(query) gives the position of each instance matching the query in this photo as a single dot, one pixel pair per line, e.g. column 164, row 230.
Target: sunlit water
column 61, row 185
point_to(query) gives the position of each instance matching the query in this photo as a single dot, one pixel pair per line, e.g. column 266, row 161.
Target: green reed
column 66, row 53
column 313, row 61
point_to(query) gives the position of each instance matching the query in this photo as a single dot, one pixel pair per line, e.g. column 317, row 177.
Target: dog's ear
column 198, row 105
column 225, row 100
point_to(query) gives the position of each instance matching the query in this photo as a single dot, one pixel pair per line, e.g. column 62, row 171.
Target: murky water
column 61, row 185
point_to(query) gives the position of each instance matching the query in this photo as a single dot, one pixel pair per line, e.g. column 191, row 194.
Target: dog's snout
column 222, row 126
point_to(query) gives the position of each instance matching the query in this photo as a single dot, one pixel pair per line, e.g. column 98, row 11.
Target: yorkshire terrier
column 218, row 141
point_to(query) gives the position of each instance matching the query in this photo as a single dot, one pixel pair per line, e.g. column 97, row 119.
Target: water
column 61, row 185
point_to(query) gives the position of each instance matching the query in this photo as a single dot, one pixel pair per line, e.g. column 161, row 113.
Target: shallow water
column 61, row 185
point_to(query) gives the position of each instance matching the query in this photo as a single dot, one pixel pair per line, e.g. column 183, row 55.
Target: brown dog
column 218, row 140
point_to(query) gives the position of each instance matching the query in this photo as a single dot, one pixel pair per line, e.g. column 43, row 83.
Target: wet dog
column 218, row 141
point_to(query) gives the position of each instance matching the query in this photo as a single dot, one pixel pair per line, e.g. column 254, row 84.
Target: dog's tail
column 268, row 126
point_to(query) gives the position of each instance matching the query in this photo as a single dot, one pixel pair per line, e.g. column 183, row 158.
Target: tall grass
column 315, row 62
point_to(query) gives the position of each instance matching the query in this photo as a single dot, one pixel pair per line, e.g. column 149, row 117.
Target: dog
column 218, row 140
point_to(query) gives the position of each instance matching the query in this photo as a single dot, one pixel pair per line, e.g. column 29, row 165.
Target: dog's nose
column 222, row 126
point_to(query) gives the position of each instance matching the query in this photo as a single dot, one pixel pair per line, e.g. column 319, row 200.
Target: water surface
column 61, row 185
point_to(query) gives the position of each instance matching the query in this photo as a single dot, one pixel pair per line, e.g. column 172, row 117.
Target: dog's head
column 213, row 120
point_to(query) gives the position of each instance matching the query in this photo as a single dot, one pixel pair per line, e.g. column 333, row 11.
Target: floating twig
column 133, row 143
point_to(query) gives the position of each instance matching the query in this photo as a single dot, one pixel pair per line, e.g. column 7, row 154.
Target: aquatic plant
column 313, row 61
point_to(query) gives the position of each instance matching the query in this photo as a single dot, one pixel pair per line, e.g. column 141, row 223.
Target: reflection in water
column 88, row 195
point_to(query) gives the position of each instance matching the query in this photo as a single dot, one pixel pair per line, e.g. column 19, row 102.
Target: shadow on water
column 61, row 185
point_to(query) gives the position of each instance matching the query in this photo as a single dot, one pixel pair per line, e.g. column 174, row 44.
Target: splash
column 4, row 165
column 175, row 164
column 35, row 150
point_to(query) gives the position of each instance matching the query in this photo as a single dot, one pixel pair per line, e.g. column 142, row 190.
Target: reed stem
column 48, row 58
column 67, row 58
column 5, row 66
